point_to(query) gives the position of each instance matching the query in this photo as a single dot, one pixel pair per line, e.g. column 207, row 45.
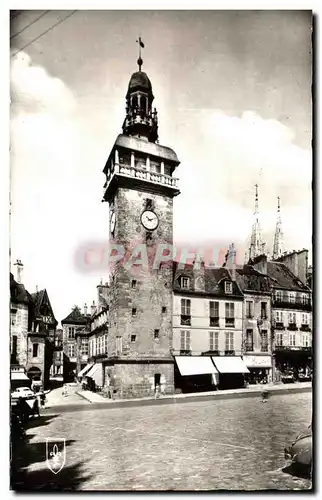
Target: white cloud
column 229, row 156
column 31, row 85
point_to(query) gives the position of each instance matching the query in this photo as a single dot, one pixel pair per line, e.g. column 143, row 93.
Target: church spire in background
column 278, row 247
column 257, row 247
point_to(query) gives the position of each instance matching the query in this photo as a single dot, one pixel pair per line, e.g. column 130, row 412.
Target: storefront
column 84, row 371
column 195, row 374
column 260, row 368
column 95, row 377
column 232, row 371
column 19, row 379
column 293, row 360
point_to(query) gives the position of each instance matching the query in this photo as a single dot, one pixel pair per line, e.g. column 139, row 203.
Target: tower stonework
column 139, row 188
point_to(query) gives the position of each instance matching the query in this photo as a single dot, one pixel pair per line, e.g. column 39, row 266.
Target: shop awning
column 258, row 361
column 230, row 364
column 195, row 365
column 19, row 376
column 85, row 370
column 96, row 373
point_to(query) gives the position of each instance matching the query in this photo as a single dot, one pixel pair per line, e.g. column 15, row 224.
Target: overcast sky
column 233, row 94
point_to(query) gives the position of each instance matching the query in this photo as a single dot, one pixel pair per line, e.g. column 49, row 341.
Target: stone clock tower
column 140, row 186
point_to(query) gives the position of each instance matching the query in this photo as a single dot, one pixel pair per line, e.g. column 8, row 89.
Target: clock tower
column 140, row 187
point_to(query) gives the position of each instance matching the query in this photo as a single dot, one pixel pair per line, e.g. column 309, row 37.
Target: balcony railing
column 214, row 321
column 141, row 173
column 229, row 353
column 185, row 320
column 292, row 326
column 278, row 325
column 264, row 347
column 185, row 352
column 249, row 347
column 305, row 328
column 295, row 304
column 230, row 322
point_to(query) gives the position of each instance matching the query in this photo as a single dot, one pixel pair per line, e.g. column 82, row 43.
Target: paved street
column 213, row 445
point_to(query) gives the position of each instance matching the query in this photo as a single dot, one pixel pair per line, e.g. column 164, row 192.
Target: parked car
column 288, row 377
column 22, row 392
column 300, row 452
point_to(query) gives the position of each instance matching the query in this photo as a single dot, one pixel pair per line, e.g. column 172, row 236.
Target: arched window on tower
column 143, row 105
column 134, row 103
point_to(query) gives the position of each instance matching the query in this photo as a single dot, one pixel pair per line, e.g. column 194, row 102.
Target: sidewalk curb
column 176, row 400
column 84, row 397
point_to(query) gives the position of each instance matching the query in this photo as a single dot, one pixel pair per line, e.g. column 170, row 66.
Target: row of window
column 98, row 345
column 185, row 339
column 249, row 345
column 99, row 321
column 14, row 343
column 292, row 316
column 250, row 309
column 292, row 297
column 290, row 340
column 185, row 284
column 134, row 310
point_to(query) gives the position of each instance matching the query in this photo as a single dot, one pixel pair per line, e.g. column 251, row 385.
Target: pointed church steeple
column 141, row 119
column 257, row 247
column 278, row 247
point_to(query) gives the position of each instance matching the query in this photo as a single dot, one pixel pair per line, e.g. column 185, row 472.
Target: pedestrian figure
column 264, row 395
column 157, row 391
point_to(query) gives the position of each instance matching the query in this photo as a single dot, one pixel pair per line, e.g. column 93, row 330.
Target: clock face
column 113, row 220
column 149, row 220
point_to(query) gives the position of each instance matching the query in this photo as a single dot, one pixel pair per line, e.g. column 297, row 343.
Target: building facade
column 207, row 322
column 32, row 329
column 140, row 187
column 257, row 338
column 76, row 328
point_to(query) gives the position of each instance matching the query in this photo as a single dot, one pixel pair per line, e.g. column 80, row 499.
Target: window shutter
column 227, row 309
column 188, row 308
column 227, row 341
column 182, row 341
column 188, row 341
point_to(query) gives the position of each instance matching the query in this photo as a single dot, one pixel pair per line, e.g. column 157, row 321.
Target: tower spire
column 257, row 247
column 140, row 60
column 278, row 237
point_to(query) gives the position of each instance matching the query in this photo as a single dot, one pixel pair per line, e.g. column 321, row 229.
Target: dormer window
column 228, row 287
column 184, row 283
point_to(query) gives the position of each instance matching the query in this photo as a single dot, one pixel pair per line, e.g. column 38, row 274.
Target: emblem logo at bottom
column 55, row 454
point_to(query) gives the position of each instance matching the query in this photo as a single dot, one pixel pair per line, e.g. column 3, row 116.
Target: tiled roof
column 214, row 280
column 40, row 299
column 250, row 279
column 18, row 293
column 76, row 317
column 283, row 278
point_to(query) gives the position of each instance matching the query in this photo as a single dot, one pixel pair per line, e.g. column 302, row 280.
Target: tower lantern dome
column 141, row 119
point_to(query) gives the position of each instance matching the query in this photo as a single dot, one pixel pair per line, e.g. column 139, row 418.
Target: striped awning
column 96, row 373
column 85, row 370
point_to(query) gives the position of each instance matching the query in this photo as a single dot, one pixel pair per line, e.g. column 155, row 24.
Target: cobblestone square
column 215, row 445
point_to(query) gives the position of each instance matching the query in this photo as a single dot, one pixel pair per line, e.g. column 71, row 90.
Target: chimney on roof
column 36, row 288
column 93, row 308
column 230, row 263
column 85, row 309
column 19, row 265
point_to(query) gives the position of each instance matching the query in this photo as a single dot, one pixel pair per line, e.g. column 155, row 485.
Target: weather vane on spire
column 141, row 44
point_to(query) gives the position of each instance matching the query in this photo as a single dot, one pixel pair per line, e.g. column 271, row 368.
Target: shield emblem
column 55, row 454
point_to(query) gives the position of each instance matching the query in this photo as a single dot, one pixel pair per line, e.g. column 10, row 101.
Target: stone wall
column 19, row 328
column 138, row 379
column 151, row 297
